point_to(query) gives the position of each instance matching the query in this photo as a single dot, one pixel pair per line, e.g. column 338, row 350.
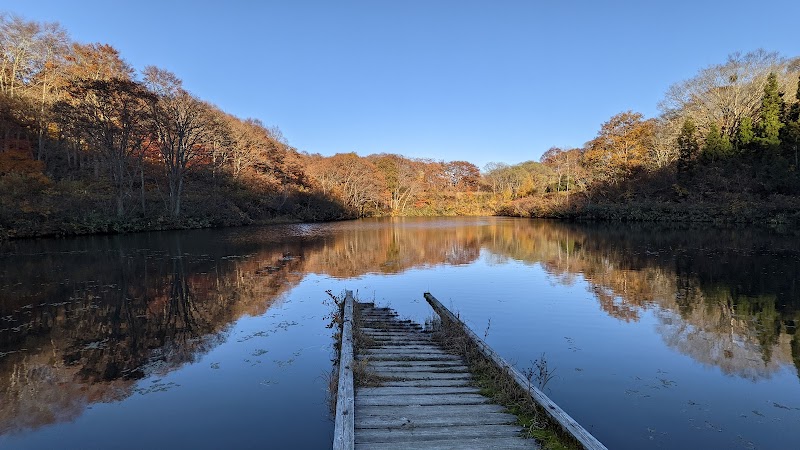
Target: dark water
column 660, row 337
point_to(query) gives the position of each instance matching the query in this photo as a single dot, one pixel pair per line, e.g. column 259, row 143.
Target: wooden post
column 344, row 429
column 559, row 415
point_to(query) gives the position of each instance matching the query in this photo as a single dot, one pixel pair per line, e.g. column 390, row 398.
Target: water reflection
column 726, row 297
column 82, row 320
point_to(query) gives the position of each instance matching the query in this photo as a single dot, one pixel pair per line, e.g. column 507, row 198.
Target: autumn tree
column 510, row 182
column 30, row 53
column 82, row 65
column 620, row 148
column 18, row 42
column 182, row 127
column 462, row 175
column 664, row 152
column 355, row 181
column 111, row 116
column 566, row 168
column 95, row 62
column 242, row 144
column 404, row 178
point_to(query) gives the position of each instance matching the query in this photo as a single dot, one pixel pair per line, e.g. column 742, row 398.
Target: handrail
column 344, row 428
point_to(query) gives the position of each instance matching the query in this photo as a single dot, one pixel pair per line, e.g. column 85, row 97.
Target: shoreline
column 638, row 212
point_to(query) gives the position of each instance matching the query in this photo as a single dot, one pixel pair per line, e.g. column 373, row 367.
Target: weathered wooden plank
column 437, row 364
column 389, row 336
column 427, row 348
column 399, row 332
column 343, row 434
column 420, row 400
column 400, row 354
column 407, row 351
column 398, row 343
column 418, row 368
column 558, row 414
column 378, row 327
column 422, row 375
column 413, row 390
column 426, row 383
column 437, row 433
column 399, row 337
column 410, row 357
column 404, row 338
column 466, row 417
column 506, row 443
column 417, row 412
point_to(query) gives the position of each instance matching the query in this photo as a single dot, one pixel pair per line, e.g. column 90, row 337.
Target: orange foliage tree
column 620, row 148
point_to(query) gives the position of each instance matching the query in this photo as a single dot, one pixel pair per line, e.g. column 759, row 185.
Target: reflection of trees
column 394, row 246
column 180, row 320
column 719, row 293
column 124, row 316
column 725, row 297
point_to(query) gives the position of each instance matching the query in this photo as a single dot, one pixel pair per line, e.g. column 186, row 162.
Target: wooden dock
column 423, row 398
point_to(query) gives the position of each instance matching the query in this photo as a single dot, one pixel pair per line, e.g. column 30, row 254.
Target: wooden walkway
column 426, row 398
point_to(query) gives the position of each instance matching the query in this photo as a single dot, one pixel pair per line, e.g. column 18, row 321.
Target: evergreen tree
column 744, row 135
column 717, row 145
column 770, row 126
column 687, row 145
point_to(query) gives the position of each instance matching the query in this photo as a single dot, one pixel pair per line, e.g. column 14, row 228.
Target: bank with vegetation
column 90, row 145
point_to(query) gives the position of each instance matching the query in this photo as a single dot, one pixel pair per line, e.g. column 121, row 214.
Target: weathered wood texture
column 558, row 414
column 343, row 432
column 426, row 398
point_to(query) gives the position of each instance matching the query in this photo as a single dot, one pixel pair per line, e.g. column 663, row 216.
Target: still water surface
column 661, row 337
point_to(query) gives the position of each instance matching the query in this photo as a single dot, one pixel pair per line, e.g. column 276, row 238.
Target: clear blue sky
column 475, row 80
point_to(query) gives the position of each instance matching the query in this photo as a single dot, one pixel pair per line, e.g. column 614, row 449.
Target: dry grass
column 501, row 386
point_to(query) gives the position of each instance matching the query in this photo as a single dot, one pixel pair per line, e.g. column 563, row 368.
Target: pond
column 658, row 336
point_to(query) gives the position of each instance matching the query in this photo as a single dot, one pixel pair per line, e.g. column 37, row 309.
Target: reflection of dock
column 419, row 395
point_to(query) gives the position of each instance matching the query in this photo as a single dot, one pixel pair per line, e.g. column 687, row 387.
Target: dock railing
column 344, row 428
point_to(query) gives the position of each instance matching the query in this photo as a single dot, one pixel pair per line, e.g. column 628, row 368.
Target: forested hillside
column 89, row 144
column 725, row 148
